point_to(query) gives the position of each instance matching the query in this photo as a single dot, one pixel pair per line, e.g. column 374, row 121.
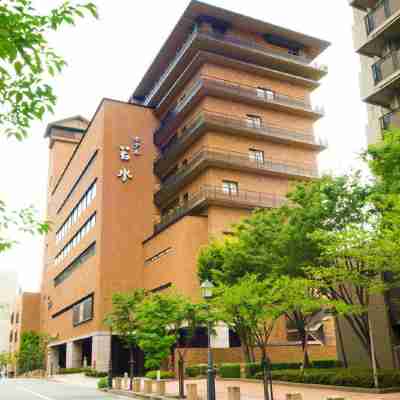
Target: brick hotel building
column 220, row 124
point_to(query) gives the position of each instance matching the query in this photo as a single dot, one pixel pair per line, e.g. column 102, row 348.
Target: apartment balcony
column 228, row 90
column 382, row 25
column 390, row 120
column 233, row 47
column 210, row 157
column 218, row 122
column 386, row 75
column 215, row 195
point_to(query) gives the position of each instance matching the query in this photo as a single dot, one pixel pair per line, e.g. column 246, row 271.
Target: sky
column 108, row 57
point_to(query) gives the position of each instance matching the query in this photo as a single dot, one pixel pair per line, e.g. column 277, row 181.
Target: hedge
column 102, row 383
column 196, row 370
column 95, row 374
column 338, row 377
column 65, row 371
column 229, row 371
column 163, row 375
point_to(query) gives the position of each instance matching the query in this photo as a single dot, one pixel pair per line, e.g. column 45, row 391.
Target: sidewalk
column 76, row 380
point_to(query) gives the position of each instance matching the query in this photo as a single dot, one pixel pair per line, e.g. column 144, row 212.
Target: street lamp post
column 207, row 292
column 110, row 366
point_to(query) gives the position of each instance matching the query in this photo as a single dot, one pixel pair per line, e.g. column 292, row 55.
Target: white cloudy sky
column 108, row 57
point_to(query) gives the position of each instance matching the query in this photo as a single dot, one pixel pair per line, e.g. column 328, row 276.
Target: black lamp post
column 207, row 292
column 110, row 366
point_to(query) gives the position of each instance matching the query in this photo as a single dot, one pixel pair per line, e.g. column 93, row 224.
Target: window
column 12, row 318
column 256, row 156
column 157, row 256
column 83, row 311
column 253, row 121
column 17, row 318
column 294, row 51
column 266, row 94
column 15, row 337
column 231, row 188
column 11, row 336
column 186, row 197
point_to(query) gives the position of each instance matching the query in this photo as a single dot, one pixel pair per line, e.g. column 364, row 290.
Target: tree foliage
column 32, row 352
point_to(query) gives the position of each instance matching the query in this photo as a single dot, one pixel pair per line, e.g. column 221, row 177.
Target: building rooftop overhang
column 75, row 124
column 199, row 11
column 362, row 4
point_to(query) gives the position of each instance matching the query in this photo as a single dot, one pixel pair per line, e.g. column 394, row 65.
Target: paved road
column 18, row 389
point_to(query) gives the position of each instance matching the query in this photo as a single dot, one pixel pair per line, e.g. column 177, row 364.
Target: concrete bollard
column 147, row 386
column 126, row 381
column 191, row 391
column 234, row 393
column 136, row 385
column 160, row 388
column 118, row 383
column 294, row 396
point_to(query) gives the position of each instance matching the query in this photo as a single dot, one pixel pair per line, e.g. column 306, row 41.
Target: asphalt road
column 18, row 389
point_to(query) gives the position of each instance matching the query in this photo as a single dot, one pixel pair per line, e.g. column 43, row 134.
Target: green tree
column 27, row 64
column 123, row 319
column 32, row 352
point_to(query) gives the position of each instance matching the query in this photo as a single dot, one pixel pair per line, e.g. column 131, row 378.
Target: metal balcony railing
column 231, row 39
column 209, row 194
column 232, row 124
column 237, row 90
column 386, row 66
column 383, row 11
column 391, row 120
column 241, row 160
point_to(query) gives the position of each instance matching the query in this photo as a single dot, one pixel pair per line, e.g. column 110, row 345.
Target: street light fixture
column 207, row 293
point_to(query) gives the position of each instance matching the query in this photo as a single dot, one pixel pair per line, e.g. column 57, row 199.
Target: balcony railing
column 238, row 91
column 234, row 40
column 383, row 11
column 391, row 120
column 213, row 194
column 211, row 156
column 386, row 66
column 232, row 124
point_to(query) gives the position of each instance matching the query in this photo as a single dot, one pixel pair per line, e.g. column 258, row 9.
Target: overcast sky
column 108, row 57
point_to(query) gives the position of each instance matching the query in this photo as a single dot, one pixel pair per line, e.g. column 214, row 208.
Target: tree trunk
column 341, row 343
column 304, row 345
column 181, row 377
column 265, row 373
column 131, row 364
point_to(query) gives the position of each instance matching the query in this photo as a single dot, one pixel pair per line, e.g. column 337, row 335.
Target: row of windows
column 16, row 318
column 158, row 256
column 67, row 272
column 13, row 336
column 91, row 222
column 76, row 212
column 83, row 311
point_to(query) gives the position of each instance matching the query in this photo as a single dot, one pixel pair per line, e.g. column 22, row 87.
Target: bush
column 95, row 374
column 338, row 377
column 65, row 371
column 196, row 370
column 163, row 375
column 229, row 371
column 251, row 369
column 102, row 383
column 326, row 364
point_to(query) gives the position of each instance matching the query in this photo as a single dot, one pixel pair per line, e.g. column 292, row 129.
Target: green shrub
column 326, row 364
column 196, row 370
column 95, row 374
column 65, row 371
column 163, row 375
column 102, row 383
column 338, row 377
column 251, row 369
column 229, row 371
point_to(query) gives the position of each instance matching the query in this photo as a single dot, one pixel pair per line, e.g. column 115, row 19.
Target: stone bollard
column 191, row 391
column 126, row 381
column 136, row 385
column 147, row 386
column 294, row 396
column 118, row 383
column 234, row 393
column 160, row 388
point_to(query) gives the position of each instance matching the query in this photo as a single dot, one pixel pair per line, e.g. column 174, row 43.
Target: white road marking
column 35, row 394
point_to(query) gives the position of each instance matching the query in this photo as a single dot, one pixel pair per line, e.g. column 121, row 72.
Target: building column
column 101, row 352
column 220, row 339
column 52, row 361
column 74, row 355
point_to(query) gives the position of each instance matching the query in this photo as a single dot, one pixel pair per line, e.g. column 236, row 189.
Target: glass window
column 254, row 121
column 231, row 188
column 266, row 94
column 256, row 156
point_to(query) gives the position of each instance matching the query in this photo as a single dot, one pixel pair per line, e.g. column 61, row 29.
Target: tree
column 32, row 352
column 123, row 319
column 169, row 320
column 27, row 62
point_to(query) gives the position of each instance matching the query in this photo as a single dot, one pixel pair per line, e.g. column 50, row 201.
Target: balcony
column 390, row 120
column 233, row 47
column 215, row 195
column 218, row 122
column 386, row 79
column 210, row 157
column 381, row 25
column 228, row 90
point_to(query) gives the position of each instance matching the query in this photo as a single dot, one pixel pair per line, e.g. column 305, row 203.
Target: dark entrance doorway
column 120, row 359
column 62, row 356
column 86, row 352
